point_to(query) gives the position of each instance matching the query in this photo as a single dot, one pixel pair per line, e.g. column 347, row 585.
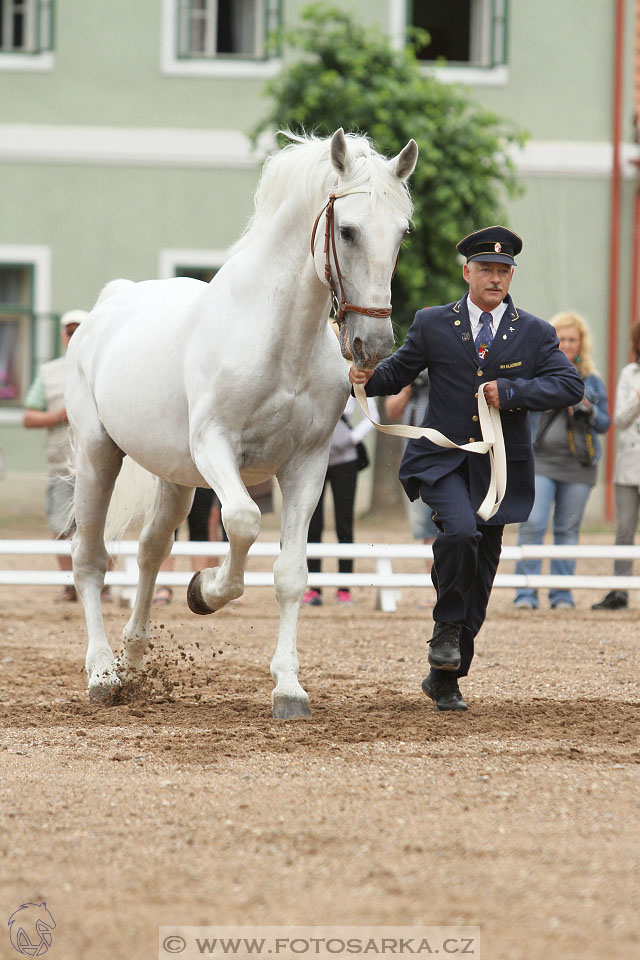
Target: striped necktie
column 485, row 336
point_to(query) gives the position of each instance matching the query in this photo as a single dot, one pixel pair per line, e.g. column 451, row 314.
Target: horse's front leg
column 212, row 588
column 301, row 485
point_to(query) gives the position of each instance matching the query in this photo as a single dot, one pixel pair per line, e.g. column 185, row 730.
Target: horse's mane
column 301, row 174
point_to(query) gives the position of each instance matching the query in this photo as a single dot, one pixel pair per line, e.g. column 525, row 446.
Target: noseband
column 340, row 304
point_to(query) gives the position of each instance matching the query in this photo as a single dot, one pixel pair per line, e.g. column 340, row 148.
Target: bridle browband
column 340, row 304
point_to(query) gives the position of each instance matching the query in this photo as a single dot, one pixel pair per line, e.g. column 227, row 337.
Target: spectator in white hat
column 45, row 410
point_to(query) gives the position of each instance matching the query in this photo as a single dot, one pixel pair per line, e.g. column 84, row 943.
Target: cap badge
column 497, row 247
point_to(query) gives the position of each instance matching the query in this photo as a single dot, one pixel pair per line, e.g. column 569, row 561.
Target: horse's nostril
column 357, row 345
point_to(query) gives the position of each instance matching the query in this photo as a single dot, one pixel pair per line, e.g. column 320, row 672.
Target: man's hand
column 360, row 376
column 491, row 394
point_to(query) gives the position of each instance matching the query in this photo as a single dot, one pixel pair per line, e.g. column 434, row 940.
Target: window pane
column 9, row 366
column 16, row 287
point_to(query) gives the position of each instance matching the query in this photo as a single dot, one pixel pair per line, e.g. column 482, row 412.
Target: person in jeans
column 342, row 474
column 563, row 482
column 627, row 476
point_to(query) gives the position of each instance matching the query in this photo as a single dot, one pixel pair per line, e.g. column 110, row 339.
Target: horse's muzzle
column 367, row 353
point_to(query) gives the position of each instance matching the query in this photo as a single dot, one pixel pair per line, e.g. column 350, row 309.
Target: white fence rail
column 385, row 581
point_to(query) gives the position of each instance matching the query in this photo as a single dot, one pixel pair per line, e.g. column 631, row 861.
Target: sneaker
column 614, row 600
column 562, row 605
column 525, row 603
column 344, row 596
column 313, row 598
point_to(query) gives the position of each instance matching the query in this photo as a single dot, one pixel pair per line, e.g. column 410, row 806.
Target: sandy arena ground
column 191, row 805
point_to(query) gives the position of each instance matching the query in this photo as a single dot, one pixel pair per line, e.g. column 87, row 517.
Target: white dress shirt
column 474, row 317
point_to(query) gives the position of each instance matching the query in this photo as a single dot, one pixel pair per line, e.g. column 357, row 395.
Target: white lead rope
column 492, row 443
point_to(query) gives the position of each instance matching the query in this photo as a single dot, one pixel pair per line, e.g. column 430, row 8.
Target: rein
column 492, row 443
column 340, row 304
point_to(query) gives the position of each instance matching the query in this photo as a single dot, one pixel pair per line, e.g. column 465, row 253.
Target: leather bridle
column 340, row 304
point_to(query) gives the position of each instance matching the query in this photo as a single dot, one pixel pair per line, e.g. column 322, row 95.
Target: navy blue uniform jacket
column 532, row 374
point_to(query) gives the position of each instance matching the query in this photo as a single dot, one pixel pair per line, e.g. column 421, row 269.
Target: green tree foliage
column 344, row 74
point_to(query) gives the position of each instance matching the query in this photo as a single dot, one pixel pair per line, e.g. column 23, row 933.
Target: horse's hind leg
column 98, row 461
column 172, row 504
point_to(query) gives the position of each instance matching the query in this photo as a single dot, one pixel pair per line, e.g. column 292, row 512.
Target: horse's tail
column 111, row 288
column 132, row 499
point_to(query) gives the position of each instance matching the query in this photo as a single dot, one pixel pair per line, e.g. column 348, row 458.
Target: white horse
column 232, row 382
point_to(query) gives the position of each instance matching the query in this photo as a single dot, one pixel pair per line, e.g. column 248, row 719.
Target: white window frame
column 210, row 65
column 39, row 16
column 39, row 259
column 169, row 260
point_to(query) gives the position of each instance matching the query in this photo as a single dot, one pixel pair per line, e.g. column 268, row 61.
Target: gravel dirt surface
column 189, row 804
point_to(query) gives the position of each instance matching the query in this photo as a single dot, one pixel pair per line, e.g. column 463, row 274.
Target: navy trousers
column 466, row 553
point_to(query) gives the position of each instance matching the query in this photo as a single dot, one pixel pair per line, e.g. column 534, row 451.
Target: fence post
column 385, row 596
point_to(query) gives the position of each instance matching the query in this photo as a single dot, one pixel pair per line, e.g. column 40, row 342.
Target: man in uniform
column 482, row 339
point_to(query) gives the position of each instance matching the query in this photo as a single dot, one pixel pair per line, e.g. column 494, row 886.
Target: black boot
column 614, row 600
column 444, row 646
column 443, row 688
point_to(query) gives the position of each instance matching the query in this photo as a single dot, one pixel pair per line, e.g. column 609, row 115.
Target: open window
column 209, row 29
column 463, row 32
column 26, row 26
column 28, row 331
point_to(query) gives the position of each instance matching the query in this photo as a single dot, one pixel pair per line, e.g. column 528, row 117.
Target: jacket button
column 474, row 418
column 479, row 373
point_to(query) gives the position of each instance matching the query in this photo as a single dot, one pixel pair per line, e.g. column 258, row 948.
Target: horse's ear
column 405, row 163
column 340, row 152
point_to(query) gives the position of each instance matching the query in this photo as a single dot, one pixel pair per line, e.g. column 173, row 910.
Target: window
column 26, row 26
column 198, row 264
column 209, row 29
column 471, row 32
column 28, row 331
column 206, row 274
column 16, row 320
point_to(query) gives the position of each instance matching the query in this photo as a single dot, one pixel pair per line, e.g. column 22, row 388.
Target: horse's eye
column 347, row 234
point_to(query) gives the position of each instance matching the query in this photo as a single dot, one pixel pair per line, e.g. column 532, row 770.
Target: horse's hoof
column 286, row 708
column 103, row 687
column 195, row 600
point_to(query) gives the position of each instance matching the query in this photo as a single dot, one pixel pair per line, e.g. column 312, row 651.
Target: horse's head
column 364, row 227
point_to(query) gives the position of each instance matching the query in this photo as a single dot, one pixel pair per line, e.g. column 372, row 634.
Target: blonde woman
column 567, row 451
